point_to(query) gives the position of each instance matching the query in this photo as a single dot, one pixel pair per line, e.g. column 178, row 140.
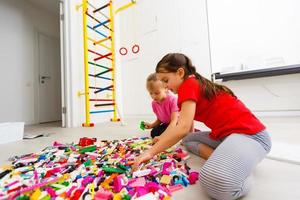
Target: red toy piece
column 193, row 177
column 85, row 141
column 103, row 194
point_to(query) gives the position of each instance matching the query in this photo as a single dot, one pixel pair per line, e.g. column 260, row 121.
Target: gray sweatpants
column 226, row 174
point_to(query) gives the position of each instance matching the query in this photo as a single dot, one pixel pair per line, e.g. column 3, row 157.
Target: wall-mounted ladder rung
column 103, row 89
column 102, row 7
column 103, row 40
column 103, row 56
column 104, row 72
column 98, row 65
column 101, row 100
column 101, row 111
column 101, row 77
column 104, row 104
column 97, row 31
column 101, row 24
column 88, row 14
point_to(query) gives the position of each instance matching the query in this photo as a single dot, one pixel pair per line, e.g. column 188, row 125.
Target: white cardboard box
column 11, row 131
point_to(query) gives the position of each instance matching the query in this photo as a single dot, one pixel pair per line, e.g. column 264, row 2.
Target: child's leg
column 200, row 143
column 225, row 175
column 158, row 130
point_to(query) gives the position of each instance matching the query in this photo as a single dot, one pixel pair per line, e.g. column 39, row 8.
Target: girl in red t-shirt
column 237, row 141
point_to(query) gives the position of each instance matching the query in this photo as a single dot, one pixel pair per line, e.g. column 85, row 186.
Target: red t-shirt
column 224, row 114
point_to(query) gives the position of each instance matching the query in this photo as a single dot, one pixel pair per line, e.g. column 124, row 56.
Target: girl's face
column 158, row 91
column 172, row 79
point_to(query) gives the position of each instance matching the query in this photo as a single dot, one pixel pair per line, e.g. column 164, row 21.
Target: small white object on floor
column 33, row 136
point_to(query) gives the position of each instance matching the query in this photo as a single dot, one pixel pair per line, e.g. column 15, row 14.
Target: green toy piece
column 123, row 167
column 113, row 170
column 126, row 197
column 24, row 197
column 88, row 149
column 142, row 125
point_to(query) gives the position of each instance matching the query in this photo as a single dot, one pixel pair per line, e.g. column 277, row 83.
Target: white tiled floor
column 272, row 179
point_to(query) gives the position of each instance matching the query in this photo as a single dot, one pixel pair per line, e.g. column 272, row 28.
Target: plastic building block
column 193, row 177
column 165, row 168
column 88, row 149
column 141, row 191
column 113, row 170
column 35, row 196
column 23, row 197
column 85, row 141
column 118, row 184
column 99, row 171
column 4, row 173
column 117, row 197
column 186, row 182
column 178, row 180
column 142, row 125
column 126, row 197
column 139, row 182
column 102, row 194
column 77, row 194
column 174, row 188
column 141, row 173
column 165, row 179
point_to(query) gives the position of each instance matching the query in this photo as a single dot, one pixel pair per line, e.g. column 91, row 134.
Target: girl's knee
column 184, row 141
column 192, row 147
column 221, row 186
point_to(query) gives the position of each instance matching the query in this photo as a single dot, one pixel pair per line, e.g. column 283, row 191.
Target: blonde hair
column 152, row 80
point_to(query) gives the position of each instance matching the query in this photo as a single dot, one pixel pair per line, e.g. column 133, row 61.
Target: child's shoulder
column 171, row 95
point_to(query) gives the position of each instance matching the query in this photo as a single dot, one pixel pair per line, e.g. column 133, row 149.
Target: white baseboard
column 277, row 113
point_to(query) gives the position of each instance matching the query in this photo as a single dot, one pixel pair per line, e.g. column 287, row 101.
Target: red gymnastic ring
column 123, row 51
column 135, row 48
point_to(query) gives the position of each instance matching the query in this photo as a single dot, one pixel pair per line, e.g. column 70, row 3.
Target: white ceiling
column 50, row 5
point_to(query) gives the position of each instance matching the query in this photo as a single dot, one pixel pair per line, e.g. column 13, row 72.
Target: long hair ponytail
column 173, row 61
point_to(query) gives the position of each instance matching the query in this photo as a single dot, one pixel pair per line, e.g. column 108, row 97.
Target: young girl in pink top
column 164, row 105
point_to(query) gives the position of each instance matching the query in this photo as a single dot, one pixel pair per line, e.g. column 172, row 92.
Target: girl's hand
column 147, row 125
column 144, row 157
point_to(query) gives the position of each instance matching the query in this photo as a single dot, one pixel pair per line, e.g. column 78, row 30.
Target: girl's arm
column 173, row 133
column 153, row 124
column 174, row 118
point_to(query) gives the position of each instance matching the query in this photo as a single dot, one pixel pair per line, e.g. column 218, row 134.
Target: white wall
column 20, row 21
column 159, row 27
column 270, row 96
column 253, row 34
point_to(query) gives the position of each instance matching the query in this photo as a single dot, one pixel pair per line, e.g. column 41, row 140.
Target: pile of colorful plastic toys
column 96, row 170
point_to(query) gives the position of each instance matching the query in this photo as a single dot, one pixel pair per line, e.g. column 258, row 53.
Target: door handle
column 45, row 77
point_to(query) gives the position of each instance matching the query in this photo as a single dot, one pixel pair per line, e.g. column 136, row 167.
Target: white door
column 50, row 79
column 63, row 64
